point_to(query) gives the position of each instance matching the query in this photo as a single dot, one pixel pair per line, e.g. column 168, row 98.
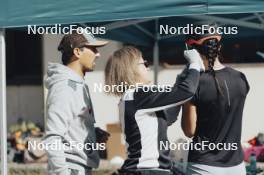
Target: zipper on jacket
column 86, row 89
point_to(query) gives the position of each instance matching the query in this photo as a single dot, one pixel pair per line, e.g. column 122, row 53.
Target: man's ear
column 77, row 52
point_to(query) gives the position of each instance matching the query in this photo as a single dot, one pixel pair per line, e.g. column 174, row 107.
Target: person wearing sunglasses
column 70, row 131
column 213, row 118
column 146, row 113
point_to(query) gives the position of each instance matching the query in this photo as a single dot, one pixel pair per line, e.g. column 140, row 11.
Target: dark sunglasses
column 146, row 64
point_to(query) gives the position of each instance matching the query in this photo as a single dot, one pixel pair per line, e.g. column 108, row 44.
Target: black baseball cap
column 77, row 40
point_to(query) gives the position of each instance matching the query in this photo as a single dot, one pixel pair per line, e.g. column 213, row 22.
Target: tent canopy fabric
column 20, row 13
column 144, row 33
column 15, row 13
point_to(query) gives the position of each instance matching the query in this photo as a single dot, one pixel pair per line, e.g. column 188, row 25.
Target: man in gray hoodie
column 71, row 139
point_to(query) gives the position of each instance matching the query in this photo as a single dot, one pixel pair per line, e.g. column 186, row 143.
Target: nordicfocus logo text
column 69, row 29
column 200, row 30
column 124, row 86
column 58, row 146
column 204, row 145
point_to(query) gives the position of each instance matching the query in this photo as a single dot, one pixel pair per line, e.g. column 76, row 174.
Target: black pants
column 145, row 172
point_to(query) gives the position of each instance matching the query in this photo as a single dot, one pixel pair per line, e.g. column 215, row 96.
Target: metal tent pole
column 3, row 129
column 239, row 22
column 156, row 61
column 156, row 53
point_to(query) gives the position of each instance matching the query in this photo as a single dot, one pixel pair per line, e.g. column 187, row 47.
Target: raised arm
column 181, row 92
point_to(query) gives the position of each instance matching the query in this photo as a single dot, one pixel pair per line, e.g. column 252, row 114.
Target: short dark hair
column 66, row 58
column 68, row 43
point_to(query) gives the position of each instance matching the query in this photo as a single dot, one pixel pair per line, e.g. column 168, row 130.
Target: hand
column 101, row 135
column 195, row 60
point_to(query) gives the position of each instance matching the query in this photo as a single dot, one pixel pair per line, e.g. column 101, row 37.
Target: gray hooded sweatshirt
column 70, row 121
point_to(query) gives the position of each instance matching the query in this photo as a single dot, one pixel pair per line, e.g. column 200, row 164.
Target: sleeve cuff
column 195, row 66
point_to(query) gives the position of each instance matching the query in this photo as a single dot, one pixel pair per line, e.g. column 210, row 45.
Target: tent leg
column 3, row 128
column 156, row 61
column 156, row 53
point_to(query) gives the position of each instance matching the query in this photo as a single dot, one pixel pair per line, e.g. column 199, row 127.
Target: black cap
column 76, row 40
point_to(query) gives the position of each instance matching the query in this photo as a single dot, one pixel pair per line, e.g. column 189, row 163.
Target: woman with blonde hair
column 143, row 108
